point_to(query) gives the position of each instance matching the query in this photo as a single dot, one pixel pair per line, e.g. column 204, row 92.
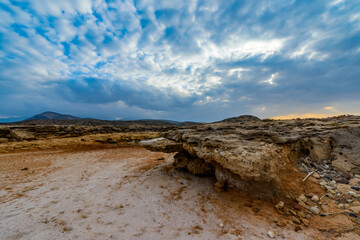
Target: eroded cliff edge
column 266, row 157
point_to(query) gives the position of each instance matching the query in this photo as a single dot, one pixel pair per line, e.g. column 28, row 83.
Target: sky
column 199, row 60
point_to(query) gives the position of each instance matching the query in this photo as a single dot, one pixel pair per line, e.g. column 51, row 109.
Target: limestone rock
column 319, row 149
column 347, row 149
column 260, row 156
column 162, row 145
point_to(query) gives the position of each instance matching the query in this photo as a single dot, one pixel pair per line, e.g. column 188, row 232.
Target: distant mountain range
column 53, row 118
column 51, row 115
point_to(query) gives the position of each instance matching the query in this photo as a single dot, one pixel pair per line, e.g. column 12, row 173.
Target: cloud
column 200, row 60
column 6, row 117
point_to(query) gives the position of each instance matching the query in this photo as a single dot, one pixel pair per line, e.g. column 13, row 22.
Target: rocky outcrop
column 16, row 133
column 346, row 149
column 261, row 155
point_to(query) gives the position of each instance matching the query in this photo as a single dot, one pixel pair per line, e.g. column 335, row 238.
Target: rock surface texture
column 266, row 157
column 36, row 132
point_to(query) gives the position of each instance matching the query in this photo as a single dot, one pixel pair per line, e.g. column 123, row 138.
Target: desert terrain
column 206, row 181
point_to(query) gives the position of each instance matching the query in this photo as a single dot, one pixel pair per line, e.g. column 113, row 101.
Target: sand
column 123, row 193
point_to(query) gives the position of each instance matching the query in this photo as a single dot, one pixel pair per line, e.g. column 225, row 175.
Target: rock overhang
column 262, row 155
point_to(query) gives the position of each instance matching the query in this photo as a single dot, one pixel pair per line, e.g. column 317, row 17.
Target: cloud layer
column 185, row 60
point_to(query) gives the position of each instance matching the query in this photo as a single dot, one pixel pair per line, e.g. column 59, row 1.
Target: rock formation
column 17, row 133
column 261, row 156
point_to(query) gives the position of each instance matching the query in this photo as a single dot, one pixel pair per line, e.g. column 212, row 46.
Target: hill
column 51, row 115
column 242, row 118
column 53, row 118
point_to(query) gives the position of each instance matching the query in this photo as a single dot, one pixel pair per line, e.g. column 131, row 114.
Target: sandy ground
column 123, row 193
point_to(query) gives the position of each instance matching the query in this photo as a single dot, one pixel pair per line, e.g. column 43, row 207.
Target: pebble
column 221, row 225
column 315, row 198
column 297, row 206
column 316, row 175
column 331, row 191
column 292, row 212
column 357, row 175
column 295, row 220
column 280, row 205
column 275, row 220
column 302, row 198
column 271, row 234
column 341, row 206
column 325, row 207
column 301, row 214
column 323, row 183
column 328, row 188
column 305, row 222
column 315, row 210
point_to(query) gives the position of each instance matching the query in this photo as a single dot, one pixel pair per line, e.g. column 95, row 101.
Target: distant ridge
column 242, row 118
column 51, row 116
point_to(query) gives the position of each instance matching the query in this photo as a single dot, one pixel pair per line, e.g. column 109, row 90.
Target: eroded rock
column 346, row 151
column 260, row 156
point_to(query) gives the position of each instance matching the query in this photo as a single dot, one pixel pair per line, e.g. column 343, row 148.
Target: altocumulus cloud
column 185, row 60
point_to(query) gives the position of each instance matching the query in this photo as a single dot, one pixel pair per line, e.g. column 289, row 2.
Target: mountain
column 53, row 118
column 51, row 115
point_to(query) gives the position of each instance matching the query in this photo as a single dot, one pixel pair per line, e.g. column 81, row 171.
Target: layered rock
column 261, row 155
column 14, row 133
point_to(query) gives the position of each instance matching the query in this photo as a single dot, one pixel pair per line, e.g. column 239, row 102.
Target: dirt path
column 123, row 193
